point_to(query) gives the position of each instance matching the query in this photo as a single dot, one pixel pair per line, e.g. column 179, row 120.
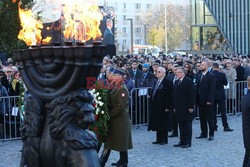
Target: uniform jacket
column 119, row 135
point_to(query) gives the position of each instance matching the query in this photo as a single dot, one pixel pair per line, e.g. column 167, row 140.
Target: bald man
column 162, row 101
column 205, row 98
column 245, row 106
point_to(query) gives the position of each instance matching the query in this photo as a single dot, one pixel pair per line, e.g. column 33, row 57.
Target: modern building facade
column 220, row 26
column 233, row 19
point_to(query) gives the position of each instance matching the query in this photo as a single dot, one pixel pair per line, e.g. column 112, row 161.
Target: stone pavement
column 225, row 151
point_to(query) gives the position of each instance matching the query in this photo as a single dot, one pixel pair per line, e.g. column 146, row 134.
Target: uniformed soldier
column 119, row 136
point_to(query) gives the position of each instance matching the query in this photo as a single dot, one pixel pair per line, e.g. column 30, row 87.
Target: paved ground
column 225, row 151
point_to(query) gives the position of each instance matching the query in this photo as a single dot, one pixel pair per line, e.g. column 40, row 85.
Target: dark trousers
column 105, row 155
column 185, row 132
column 162, row 136
column 221, row 106
column 206, row 117
column 174, row 123
column 246, row 162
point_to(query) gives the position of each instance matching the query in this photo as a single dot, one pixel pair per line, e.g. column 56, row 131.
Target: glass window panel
column 195, row 38
column 200, row 11
column 209, row 20
column 193, row 12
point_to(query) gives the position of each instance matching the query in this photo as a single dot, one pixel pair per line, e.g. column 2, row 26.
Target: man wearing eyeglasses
column 6, row 79
column 162, row 97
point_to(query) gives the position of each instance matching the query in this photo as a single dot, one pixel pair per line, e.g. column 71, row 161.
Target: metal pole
column 132, row 37
column 166, row 30
column 145, row 34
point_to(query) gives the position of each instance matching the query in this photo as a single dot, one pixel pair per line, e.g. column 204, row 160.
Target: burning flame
column 31, row 28
column 82, row 20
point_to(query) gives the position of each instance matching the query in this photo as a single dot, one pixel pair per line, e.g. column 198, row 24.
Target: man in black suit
column 220, row 97
column 245, row 105
column 135, row 73
column 205, row 98
column 184, row 106
column 239, row 70
column 162, row 97
column 108, row 37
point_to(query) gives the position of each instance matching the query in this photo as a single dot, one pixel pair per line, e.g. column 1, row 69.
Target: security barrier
column 139, row 106
column 10, row 118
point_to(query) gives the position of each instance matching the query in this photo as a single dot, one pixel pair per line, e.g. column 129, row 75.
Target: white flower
column 98, row 110
column 102, row 112
column 99, row 98
column 97, row 94
column 96, row 113
column 93, row 90
column 100, row 103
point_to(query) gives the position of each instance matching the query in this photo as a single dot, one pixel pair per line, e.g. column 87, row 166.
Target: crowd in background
column 10, row 85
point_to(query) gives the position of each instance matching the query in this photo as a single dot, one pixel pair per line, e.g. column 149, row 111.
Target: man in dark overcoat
column 119, row 135
column 162, row 99
column 245, row 106
column 184, row 106
column 205, row 99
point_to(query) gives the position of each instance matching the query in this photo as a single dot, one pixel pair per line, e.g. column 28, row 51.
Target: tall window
column 124, row 18
column 124, row 42
column 124, row 5
column 138, row 42
column 138, row 30
column 137, row 6
column 124, row 30
column 149, row 6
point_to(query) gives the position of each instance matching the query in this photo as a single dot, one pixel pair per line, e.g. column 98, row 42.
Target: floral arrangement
column 100, row 126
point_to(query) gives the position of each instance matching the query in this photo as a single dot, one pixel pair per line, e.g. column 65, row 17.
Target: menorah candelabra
column 58, row 109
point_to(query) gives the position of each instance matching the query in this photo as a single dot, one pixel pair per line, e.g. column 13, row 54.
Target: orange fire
column 31, row 28
column 82, row 20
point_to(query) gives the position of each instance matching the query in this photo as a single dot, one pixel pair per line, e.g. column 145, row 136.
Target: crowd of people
column 10, row 85
column 178, row 84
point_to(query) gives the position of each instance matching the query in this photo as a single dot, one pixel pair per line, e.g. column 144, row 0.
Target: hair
column 162, row 69
column 183, row 69
column 216, row 65
column 16, row 73
column 109, row 20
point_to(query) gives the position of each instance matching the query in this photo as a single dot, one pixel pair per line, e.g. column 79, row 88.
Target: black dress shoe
column 211, row 138
column 178, row 145
column 116, row 163
column 163, row 143
column 122, row 165
column 201, row 137
column 173, row 135
column 155, row 142
column 186, row 146
column 228, row 129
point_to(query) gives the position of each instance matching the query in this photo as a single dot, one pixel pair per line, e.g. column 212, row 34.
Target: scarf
column 13, row 84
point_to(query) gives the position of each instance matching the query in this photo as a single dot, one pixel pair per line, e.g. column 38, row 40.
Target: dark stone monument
column 58, row 110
